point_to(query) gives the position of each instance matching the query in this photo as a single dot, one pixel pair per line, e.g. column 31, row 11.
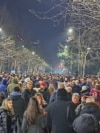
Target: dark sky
column 31, row 28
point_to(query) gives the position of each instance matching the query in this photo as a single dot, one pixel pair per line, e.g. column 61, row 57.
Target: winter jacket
column 57, row 121
column 19, row 104
column 91, row 108
column 5, row 121
column 26, row 94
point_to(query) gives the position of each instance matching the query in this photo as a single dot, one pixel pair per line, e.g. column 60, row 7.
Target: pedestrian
column 28, row 91
column 6, row 113
column 57, row 121
column 86, row 123
column 33, row 120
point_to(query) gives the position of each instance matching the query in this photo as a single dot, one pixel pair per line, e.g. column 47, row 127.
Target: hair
column 5, row 105
column 41, row 96
column 2, row 96
column 90, row 99
column 75, row 94
column 17, row 89
column 51, row 88
column 97, row 86
column 32, row 110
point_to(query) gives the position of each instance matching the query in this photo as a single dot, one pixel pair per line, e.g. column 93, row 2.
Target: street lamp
column 70, row 30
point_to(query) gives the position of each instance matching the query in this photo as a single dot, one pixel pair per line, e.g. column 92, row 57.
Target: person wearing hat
column 44, row 91
column 86, row 123
column 84, row 90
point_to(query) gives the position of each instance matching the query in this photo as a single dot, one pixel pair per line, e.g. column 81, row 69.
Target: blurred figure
column 3, row 87
column 44, row 91
column 11, row 85
column 33, row 120
column 51, row 88
column 2, row 97
column 6, row 112
column 42, row 103
column 28, row 91
column 19, row 104
column 69, row 93
column 53, row 96
column 37, row 87
column 90, row 107
column 56, row 114
column 95, row 92
column 86, row 123
column 71, row 106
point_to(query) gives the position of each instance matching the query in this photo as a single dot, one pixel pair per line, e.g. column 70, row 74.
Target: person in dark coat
column 76, row 87
column 6, row 113
column 57, row 114
column 86, row 123
column 19, row 104
column 71, row 114
column 2, row 97
column 28, row 92
column 90, row 107
column 44, row 91
column 69, row 93
column 53, row 96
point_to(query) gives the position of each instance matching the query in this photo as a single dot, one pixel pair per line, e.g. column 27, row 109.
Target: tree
column 84, row 16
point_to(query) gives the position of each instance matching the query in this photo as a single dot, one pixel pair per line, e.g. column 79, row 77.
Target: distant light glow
column 33, row 52
column 0, row 29
column 70, row 30
column 66, row 47
column 88, row 48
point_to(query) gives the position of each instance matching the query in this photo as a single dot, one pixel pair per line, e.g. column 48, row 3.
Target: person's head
column 61, row 86
column 68, row 89
column 51, row 88
column 32, row 110
column 7, row 104
column 75, row 98
column 86, row 123
column 90, row 99
column 39, row 98
column 83, row 80
column 43, row 85
column 76, row 82
column 29, row 84
column 16, row 89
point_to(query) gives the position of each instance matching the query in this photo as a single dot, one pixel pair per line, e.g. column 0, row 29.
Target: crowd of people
column 49, row 103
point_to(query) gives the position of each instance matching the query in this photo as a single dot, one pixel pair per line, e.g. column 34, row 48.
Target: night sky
column 31, row 28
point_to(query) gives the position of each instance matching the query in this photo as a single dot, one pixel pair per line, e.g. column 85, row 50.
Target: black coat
column 45, row 94
column 57, row 121
column 19, row 104
column 27, row 94
column 5, row 121
column 91, row 108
